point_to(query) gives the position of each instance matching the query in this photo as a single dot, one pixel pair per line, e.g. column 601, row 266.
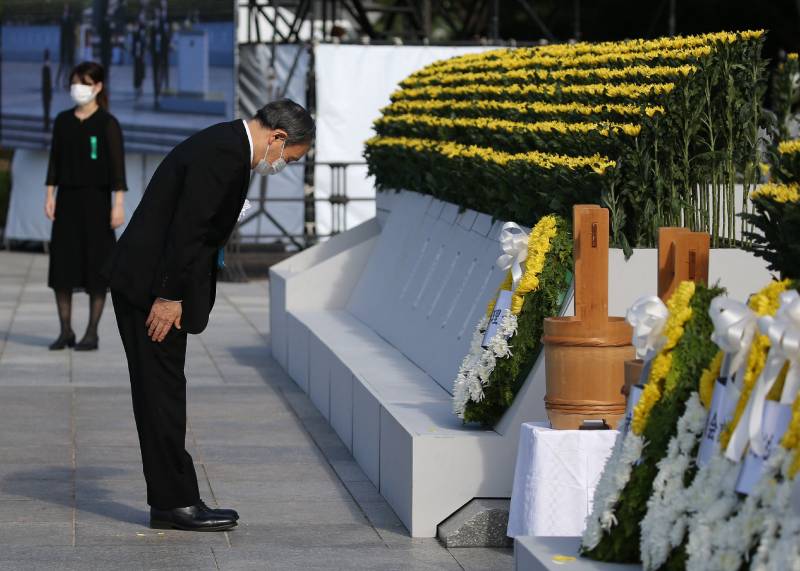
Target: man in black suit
column 162, row 277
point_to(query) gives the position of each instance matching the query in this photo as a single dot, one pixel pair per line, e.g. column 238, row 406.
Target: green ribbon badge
column 93, row 147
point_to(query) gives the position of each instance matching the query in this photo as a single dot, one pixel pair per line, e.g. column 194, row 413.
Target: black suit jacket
column 187, row 212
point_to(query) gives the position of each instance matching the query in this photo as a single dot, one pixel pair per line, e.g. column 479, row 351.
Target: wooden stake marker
column 585, row 354
column 682, row 255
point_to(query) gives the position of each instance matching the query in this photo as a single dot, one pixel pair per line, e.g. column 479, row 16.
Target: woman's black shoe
column 87, row 344
column 64, row 340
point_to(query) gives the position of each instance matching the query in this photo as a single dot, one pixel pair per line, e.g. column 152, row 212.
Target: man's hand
column 163, row 315
column 117, row 217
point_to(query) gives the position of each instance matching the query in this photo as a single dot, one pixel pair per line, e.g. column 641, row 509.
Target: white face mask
column 82, row 94
column 265, row 168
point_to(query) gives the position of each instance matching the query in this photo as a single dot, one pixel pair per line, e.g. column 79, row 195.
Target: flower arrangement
column 725, row 535
column 777, row 220
column 490, row 377
column 677, row 509
column 680, row 486
column 669, row 125
column 779, row 542
column 613, row 532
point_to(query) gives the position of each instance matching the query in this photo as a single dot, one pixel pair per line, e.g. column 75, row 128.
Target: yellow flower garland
column 765, row 302
column 627, row 46
column 538, row 247
column 709, row 378
column 657, row 383
column 621, row 90
column 487, row 123
column 527, row 75
column 778, row 192
column 596, row 163
column 521, row 107
column 517, row 59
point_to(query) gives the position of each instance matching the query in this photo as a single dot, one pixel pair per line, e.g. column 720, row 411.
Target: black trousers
column 158, row 389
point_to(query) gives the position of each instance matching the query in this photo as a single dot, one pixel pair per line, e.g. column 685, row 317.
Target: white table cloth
column 555, row 478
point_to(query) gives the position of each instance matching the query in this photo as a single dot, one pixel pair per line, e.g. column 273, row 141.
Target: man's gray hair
column 287, row 115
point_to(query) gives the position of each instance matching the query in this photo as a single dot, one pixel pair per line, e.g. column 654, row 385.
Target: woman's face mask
column 82, row 94
column 265, row 168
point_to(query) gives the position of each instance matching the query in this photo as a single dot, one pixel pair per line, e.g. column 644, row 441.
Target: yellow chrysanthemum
column 709, row 378
column 789, row 147
column 657, row 385
column 597, row 163
column 778, row 192
column 521, row 107
column 548, row 75
column 487, row 123
column 620, row 90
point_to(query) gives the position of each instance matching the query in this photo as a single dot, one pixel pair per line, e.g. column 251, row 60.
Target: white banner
column 353, row 84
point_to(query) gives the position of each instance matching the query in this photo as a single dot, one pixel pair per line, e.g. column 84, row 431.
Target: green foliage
column 777, row 239
column 785, row 94
column 691, row 356
column 484, row 186
column 509, row 374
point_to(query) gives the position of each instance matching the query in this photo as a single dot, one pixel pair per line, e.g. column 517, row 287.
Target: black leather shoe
column 64, row 340
column 222, row 511
column 87, row 344
column 192, row 518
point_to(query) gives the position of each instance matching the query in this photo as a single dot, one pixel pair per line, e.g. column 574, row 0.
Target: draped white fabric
column 555, row 478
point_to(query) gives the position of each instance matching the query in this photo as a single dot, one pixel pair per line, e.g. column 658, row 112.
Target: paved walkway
column 71, row 490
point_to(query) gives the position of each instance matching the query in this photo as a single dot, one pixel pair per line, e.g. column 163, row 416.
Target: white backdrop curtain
column 257, row 86
column 353, row 83
column 26, row 219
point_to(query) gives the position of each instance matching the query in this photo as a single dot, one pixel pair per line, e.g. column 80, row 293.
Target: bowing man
column 162, row 277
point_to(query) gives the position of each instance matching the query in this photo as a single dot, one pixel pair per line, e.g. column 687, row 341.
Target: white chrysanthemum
column 477, row 367
column 616, row 473
column 780, row 530
column 664, row 525
column 730, row 536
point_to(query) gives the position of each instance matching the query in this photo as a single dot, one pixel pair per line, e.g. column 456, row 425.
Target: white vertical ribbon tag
column 783, row 332
column 714, row 424
column 502, row 305
column 795, row 498
column 775, row 421
column 633, row 399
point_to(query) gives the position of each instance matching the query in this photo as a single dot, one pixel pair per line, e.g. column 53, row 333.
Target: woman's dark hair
column 95, row 72
column 287, row 115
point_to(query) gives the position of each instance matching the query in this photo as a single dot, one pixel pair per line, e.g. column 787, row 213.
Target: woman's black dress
column 87, row 163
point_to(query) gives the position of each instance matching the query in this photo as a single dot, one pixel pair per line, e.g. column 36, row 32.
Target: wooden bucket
column 585, row 374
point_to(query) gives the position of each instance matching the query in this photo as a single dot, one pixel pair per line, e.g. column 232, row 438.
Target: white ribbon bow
column 514, row 241
column 783, row 332
column 734, row 328
column 245, row 208
column 647, row 316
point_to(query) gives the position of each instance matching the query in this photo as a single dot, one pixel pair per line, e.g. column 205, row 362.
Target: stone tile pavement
column 71, row 490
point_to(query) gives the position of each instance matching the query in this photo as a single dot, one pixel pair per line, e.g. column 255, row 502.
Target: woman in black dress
column 87, row 165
